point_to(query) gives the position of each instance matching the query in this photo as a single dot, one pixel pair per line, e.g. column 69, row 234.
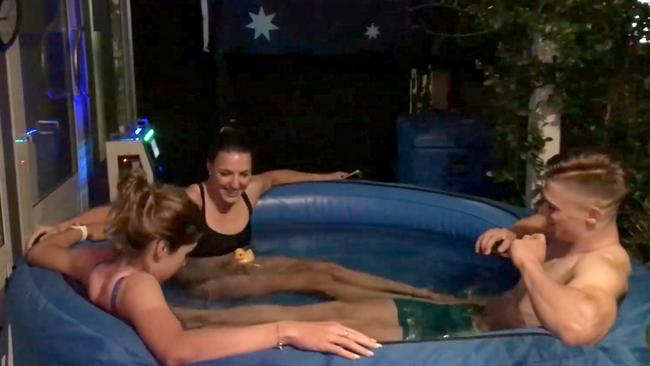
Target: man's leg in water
column 257, row 284
column 376, row 318
column 221, row 278
column 198, row 270
column 350, row 280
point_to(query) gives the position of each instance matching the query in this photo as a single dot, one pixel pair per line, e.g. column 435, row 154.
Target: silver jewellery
column 279, row 344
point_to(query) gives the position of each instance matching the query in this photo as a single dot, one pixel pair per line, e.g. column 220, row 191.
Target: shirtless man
column 573, row 267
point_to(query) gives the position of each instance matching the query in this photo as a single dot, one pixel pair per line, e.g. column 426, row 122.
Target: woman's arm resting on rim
column 142, row 303
column 55, row 253
column 261, row 183
column 95, row 215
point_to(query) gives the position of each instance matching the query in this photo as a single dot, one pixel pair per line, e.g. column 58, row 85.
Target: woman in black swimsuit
column 230, row 193
column 227, row 199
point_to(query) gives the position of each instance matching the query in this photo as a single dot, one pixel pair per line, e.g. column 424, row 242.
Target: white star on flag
column 261, row 23
column 372, row 31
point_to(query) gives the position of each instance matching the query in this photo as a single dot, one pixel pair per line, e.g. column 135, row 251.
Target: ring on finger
column 346, row 334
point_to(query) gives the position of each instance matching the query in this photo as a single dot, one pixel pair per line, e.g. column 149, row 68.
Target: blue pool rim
column 52, row 324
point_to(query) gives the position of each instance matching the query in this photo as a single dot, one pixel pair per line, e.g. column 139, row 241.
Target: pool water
column 436, row 261
column 439, row 262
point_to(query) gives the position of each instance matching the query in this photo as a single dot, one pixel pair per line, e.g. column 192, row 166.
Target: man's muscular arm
column 581, row 312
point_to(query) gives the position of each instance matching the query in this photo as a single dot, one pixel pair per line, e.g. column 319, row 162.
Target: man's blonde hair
column 596, row 175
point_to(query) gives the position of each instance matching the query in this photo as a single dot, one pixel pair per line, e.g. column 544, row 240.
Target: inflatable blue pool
column 417, row 236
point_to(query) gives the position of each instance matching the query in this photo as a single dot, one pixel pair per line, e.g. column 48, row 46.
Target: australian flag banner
column 304, row 26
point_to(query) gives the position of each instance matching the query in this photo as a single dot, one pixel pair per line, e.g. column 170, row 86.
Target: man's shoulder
column 614, row 256
column 609, row 267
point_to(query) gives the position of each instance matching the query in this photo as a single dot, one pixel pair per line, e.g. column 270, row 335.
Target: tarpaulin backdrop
column 316, row 84
column 300, row 26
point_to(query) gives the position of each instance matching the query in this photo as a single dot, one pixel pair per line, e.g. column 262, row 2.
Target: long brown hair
column 145, row 212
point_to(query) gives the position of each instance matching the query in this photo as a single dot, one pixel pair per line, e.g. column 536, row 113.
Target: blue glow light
column 31, row 132
column 21, row 141
column 138, row 130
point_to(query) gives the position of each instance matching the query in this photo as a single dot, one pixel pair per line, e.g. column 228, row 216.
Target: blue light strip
column 31, row 132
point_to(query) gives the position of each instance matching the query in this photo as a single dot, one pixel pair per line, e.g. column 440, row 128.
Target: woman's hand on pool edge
column 330, row 337
column 334, row 176
column 42, row 232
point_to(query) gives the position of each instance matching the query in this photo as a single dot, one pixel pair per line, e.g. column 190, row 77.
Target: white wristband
column 84, row 231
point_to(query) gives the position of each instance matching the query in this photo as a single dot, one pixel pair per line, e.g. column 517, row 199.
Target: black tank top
column 213, row 243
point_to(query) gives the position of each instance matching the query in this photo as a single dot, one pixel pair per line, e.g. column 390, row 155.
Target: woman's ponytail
column 145, row 212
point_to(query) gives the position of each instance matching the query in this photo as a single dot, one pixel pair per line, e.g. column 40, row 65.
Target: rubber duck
column 244, row 256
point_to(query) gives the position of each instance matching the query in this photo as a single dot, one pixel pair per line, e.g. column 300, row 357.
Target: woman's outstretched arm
column 143, row 305
column 56, row 253
column 96, row 215
column 261, row 183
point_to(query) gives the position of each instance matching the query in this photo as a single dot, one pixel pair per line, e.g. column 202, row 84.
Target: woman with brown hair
column 153, row 227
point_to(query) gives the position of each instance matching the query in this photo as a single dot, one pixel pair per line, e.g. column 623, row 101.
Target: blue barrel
column 445, row 151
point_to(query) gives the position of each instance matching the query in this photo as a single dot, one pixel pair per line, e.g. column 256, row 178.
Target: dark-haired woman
column 229, row 195
column 227, row 199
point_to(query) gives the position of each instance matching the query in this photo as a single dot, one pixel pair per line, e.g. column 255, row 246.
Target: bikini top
column 115, row 292
column 213, row 243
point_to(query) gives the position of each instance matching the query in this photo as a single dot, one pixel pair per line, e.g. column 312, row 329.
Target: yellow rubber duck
column 245, row 257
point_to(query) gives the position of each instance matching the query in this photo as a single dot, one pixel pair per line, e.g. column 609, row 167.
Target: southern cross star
column 372, row 31
column 261, row 23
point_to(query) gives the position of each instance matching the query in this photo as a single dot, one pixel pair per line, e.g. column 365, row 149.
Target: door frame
column 9, row 192
column 71, row 197
column 9, row 242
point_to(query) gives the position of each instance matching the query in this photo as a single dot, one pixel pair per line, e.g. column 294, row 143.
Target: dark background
column 303, row 111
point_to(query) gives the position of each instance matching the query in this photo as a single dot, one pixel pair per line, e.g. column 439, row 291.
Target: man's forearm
column 528, row 226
